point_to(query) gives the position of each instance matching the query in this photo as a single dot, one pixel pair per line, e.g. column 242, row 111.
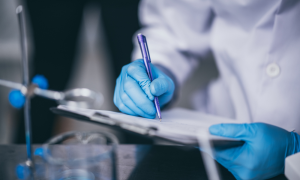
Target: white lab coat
column 256, row 45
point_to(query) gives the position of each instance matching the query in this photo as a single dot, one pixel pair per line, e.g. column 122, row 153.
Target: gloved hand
column 134, row 93
column 263, row 154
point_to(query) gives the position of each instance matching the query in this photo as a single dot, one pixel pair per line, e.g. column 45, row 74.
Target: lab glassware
column 77, row 155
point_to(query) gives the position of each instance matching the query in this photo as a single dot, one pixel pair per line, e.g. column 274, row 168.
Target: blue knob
column 41, row 81
column 22, row 171
column 39, row 152
column 16, row 98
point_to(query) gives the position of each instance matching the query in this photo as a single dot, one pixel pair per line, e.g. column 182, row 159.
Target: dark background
column 55, row 25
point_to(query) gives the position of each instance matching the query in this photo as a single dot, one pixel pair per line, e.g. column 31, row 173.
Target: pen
column 147, row 60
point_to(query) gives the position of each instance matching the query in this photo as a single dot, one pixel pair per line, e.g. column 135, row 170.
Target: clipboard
column 178, row 125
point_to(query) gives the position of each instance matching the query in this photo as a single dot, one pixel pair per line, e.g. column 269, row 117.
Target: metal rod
column 21, row 20
column 209, row 163
column 13, row 85
column 25, row 69
column 55, row 95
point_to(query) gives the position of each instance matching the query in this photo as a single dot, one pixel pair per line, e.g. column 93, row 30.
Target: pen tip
column 160, row 119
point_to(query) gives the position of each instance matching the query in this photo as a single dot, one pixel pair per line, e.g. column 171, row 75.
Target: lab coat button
column 273, row 70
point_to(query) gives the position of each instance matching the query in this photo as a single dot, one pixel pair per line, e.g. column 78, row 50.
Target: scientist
column 256, row 45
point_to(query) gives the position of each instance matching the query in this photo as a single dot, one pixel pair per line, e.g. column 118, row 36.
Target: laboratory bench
column 134, row 162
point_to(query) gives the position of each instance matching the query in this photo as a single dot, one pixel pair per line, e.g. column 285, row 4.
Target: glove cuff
column 294, row 145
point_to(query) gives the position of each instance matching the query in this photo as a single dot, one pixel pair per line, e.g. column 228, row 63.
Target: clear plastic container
column 77, row 155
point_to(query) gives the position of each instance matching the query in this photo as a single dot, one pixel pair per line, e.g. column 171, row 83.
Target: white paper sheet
column 177, row 124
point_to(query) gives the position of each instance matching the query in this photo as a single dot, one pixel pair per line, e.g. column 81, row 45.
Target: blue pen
column 147, row 60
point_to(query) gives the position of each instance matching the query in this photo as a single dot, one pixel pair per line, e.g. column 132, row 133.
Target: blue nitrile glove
column 263, row 154
column 134, row 93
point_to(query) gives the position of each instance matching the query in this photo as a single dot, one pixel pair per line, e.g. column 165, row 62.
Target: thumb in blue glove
column 134, row 92
column 263, row 153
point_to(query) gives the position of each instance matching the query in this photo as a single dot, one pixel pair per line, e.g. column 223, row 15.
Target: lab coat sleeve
column 177, row 33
